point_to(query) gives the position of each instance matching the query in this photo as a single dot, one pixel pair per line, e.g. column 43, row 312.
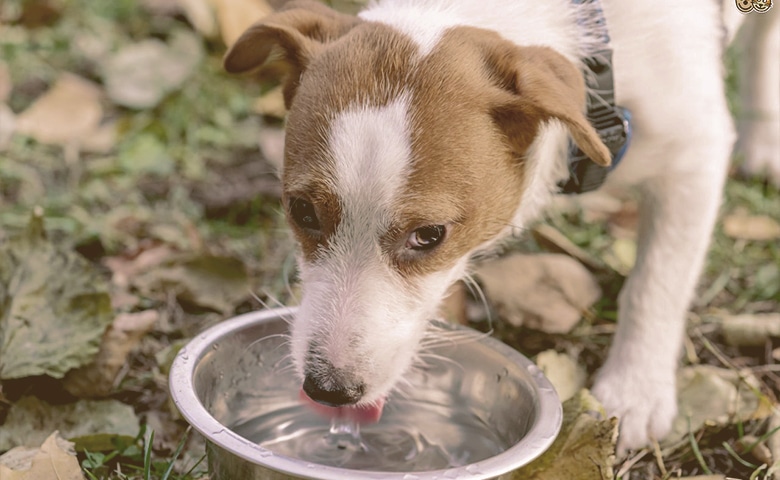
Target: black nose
column 333, row 391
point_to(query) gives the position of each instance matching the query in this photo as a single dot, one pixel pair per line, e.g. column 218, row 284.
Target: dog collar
column 613, row 123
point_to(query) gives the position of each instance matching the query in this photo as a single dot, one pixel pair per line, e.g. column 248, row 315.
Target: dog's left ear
column 299, row 30
column 541, row 85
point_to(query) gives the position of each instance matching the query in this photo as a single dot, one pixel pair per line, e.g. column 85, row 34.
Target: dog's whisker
column 477, row 291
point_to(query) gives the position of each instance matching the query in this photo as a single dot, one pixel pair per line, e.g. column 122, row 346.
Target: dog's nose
column 333, row 392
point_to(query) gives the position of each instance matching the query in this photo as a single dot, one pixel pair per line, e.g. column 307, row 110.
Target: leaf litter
column 165, row 255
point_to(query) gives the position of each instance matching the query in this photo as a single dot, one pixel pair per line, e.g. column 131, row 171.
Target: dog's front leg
column 638, row 381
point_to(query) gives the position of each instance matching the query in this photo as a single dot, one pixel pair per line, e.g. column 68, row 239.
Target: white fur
column 668, row 72
column 363, row 315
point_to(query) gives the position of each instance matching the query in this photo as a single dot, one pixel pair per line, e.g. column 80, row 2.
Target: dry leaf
column 142, row 74
column 235, row 16
column 56, row 459
column 621, row 255
column 271, row 103
column 712, row 395
column 30, row 420
column 216, row 283
column 751, row 227
column 125, row 269
column 54, row 306
column 68, row 113
column 584, row 449
column 566, row 375
column 546, row 292
column 750, row 329
column 271, row 140
column 201, row 15
column 124, row 334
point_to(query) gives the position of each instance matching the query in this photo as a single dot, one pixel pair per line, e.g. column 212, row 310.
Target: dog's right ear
column 299, row 30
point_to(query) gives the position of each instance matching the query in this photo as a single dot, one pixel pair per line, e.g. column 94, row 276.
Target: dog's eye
column 425, row 238
column 303, row 214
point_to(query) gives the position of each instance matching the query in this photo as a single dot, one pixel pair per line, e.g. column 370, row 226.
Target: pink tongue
column 362, row 414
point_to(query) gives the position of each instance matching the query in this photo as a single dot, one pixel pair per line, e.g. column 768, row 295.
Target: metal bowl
column 222, row 376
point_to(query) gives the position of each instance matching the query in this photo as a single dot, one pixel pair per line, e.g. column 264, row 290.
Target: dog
column 421, row 133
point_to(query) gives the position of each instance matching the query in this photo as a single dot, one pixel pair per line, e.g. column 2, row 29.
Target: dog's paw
column 645, row 403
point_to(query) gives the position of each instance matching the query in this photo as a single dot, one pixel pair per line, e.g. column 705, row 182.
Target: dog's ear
column 299, row 30
column 539, row 84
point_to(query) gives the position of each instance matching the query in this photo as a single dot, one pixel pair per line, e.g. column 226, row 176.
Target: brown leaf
column 584, row 449
column 125, row 333
column 750, row 330
column 546, row 292
column 564, row 373
column 69, row 112
column 713, row 395
column 56, row 459
column 235, row 16
column 751, row 227
column 201, row 15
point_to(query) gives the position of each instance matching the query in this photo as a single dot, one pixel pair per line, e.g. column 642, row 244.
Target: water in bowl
column 436, row 423
column 411, row 436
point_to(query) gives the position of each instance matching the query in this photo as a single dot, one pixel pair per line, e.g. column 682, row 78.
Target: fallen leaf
column 750, row 329
column 125, row 269
column 751, row 227
column 566, row 375
column 235, row 16
column 55, row 459
column 142, row 74
column 584, row 449
column 271, row 142
column 621, row 255
column 124, row 334
column 715, row 396
column 271, row 103
column 201, row 15
column 54, row 306
column 546, row 292
column 31, row 420
column 213, row 282
column 68, row 113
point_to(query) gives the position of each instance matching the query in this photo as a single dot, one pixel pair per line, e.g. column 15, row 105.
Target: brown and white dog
column 422, row 132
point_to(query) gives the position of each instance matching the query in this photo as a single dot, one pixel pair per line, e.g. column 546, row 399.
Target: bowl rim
column 538, row 439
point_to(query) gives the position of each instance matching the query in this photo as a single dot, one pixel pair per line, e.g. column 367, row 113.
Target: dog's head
column 400, row 163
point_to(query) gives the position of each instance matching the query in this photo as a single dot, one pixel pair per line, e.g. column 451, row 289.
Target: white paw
column 643, row 400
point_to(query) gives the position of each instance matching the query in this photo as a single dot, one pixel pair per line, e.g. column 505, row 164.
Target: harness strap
column 612, row 123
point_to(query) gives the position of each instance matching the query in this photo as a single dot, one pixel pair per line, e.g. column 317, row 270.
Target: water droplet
column 409, row 476
column 215, row 346
column 473, row 469
column 534, row 370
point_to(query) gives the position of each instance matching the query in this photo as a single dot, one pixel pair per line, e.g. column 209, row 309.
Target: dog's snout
column 334, row 390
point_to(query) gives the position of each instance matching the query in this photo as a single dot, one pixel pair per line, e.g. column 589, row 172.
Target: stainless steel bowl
column 222, row 376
